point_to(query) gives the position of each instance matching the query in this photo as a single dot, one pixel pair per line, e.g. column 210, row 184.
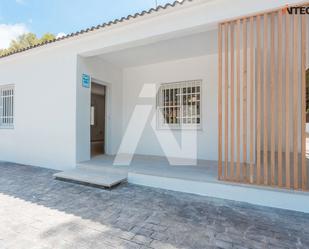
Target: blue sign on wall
column 86, row 80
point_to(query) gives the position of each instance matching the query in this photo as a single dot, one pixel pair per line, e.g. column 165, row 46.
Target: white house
column 228, row 77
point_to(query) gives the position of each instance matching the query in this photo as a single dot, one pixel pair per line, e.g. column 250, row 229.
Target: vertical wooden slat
column 244, row 169
column 272, row 107
column 287, row 102
column 295, row 101
column 265, row 106
column 238, row 98
column 252, row 85
column 303, row 102
column 226, row 100
column 232, row 103
column 258, row 118
column 272, row 98
column 280, row 121
column 220, row 102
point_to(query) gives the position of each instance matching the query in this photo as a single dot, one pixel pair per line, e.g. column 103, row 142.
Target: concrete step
column 107, row 168
column 93, row 177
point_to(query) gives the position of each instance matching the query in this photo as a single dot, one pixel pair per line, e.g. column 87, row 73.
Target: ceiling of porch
column 165, row 50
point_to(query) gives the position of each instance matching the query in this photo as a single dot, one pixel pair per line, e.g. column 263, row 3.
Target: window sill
column 6, row 127
column 183, row 128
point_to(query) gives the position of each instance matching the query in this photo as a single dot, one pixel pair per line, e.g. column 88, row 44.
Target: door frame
column 107, row 114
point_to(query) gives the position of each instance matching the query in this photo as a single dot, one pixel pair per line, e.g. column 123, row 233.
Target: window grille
column 179, row 105
column 6, row 106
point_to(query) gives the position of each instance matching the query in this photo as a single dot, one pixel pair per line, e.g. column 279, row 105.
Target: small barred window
column 179, row 105
column 6, row 106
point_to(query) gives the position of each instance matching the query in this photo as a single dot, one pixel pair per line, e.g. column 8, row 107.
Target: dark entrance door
column 97, row 119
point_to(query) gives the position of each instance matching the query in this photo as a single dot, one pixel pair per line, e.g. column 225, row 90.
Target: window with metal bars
column 179, row 105
column 6, row 106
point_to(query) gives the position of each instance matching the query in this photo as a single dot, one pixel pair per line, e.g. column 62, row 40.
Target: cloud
column 61, row 34
column 20, row 1
column 9, row 32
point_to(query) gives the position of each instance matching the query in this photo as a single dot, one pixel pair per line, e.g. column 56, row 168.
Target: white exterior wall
column 44, row 125
column 204, row 68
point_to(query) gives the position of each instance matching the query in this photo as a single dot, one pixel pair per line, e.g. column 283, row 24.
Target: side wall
column 44, row 132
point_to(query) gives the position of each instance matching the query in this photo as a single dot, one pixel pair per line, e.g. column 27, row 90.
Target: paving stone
column 155, row 227
column 145, row 232
column 159, row 236
column 130, row 245
column 142, row 240
column 223, row 244
column 40, row 212
column 161, row 245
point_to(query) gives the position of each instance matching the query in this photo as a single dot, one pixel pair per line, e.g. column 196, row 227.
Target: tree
column 25, row 41
column 47, row 37
column 3, row 52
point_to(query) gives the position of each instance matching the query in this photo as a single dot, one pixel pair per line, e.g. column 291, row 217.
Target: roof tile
column 103, row 25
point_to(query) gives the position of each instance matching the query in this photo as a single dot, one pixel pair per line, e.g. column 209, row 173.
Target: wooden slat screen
column 262, row 112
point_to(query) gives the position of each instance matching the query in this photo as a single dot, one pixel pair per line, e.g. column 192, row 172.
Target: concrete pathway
column 39, row 212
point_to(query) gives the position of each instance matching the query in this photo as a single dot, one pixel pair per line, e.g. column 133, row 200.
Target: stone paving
column 37, row 211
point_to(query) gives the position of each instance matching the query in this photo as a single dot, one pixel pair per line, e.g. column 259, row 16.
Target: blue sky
column 62, row 16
